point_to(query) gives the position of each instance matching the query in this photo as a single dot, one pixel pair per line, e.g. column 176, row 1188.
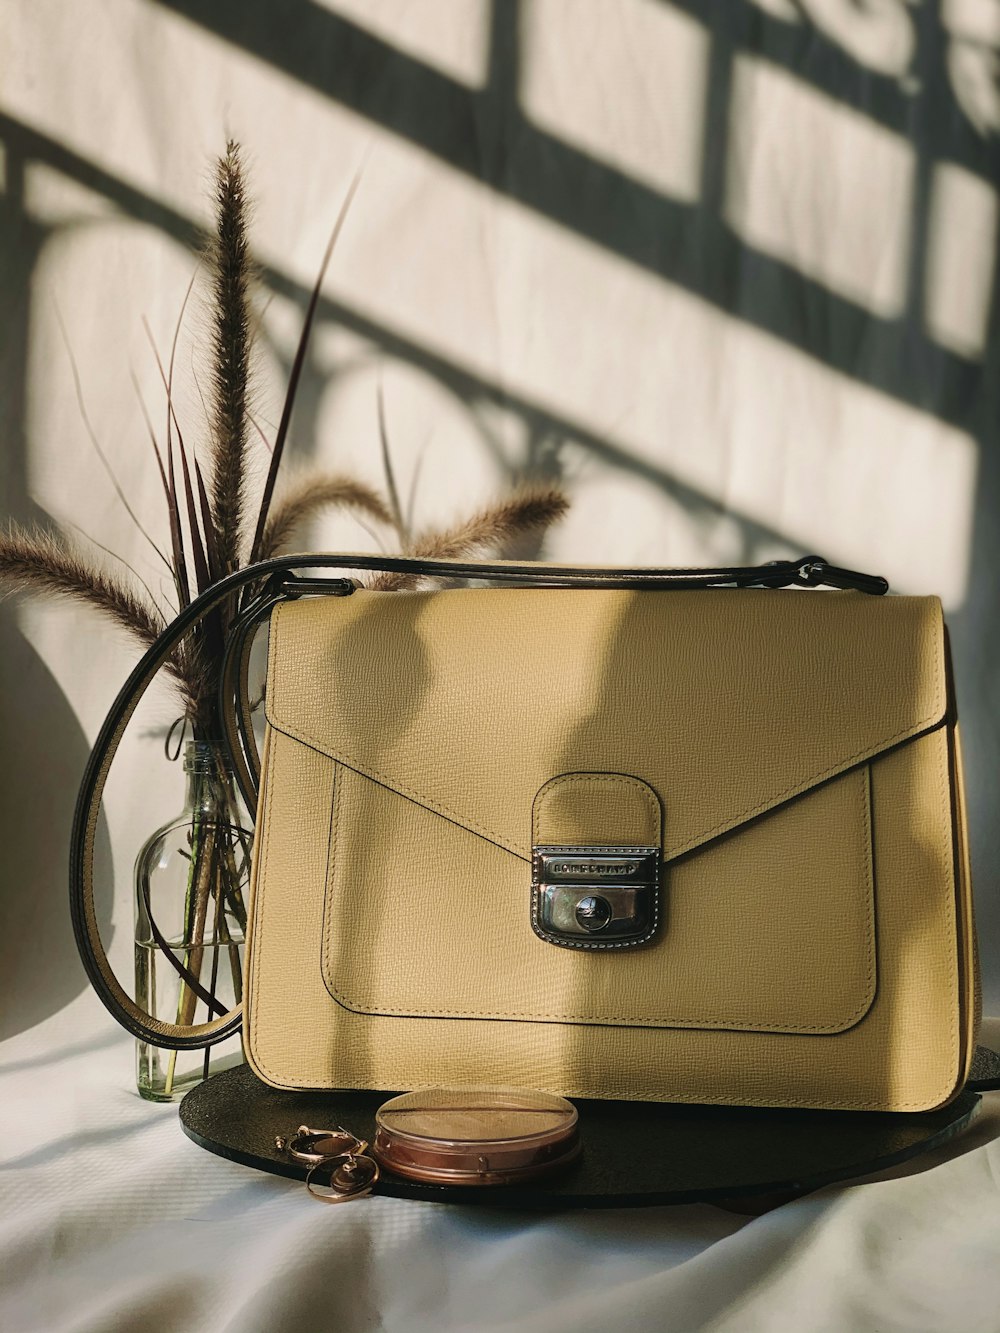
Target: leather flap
column 727, row 703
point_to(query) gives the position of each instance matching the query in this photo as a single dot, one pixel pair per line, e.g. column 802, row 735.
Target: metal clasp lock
column 595, row 898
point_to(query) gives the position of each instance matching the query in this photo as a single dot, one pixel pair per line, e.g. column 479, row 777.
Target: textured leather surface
column 258, row 588
column 467, row 701
column 741, row 912
column 816, row 941
column 596, row 808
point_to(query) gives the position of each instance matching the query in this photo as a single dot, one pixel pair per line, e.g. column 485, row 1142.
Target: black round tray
column 634, row 1153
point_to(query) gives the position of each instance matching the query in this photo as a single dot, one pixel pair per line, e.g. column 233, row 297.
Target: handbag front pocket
column 767, row 929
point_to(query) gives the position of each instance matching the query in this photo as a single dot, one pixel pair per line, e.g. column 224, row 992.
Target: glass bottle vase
column 191, row 883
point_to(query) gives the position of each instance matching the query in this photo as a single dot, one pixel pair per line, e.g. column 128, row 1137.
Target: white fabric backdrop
column 725, row 270
column 112, row 1221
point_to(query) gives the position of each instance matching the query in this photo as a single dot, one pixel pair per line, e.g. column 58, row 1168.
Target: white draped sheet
column 111, row 1220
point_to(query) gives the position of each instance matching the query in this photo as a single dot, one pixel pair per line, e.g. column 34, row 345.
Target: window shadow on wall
column 43, row 745
column 485, row 133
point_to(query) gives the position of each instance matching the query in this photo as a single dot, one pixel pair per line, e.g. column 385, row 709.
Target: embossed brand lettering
column 594, row 868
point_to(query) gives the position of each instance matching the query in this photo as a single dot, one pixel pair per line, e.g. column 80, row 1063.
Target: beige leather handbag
column 690, row 836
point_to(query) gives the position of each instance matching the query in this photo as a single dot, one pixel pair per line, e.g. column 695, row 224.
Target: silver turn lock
column 593, row 913
column 566, row 910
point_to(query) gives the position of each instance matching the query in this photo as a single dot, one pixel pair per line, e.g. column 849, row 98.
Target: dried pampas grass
column 213, row 526
column 41, row 561
column 306, row 496
column 532, row 510
column 229, row 258
column 36, row 561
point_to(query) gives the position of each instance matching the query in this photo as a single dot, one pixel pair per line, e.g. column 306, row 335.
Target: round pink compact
column 475, row 1136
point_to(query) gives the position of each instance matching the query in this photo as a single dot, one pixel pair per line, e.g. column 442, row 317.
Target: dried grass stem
column 308, row 495
column 231, row 355
column 533, row 509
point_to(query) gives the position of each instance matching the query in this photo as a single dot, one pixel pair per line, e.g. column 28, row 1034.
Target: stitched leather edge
column 251, row 1019
column 944, row 796
column 933, row 720
column 700, row 1023
column 587, row 1090
column 650, row 797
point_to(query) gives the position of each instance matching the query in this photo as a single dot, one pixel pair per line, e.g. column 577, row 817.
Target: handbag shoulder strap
column 274, row 581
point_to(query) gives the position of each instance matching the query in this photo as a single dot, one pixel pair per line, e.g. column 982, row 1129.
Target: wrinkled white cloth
column 112, row 1220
